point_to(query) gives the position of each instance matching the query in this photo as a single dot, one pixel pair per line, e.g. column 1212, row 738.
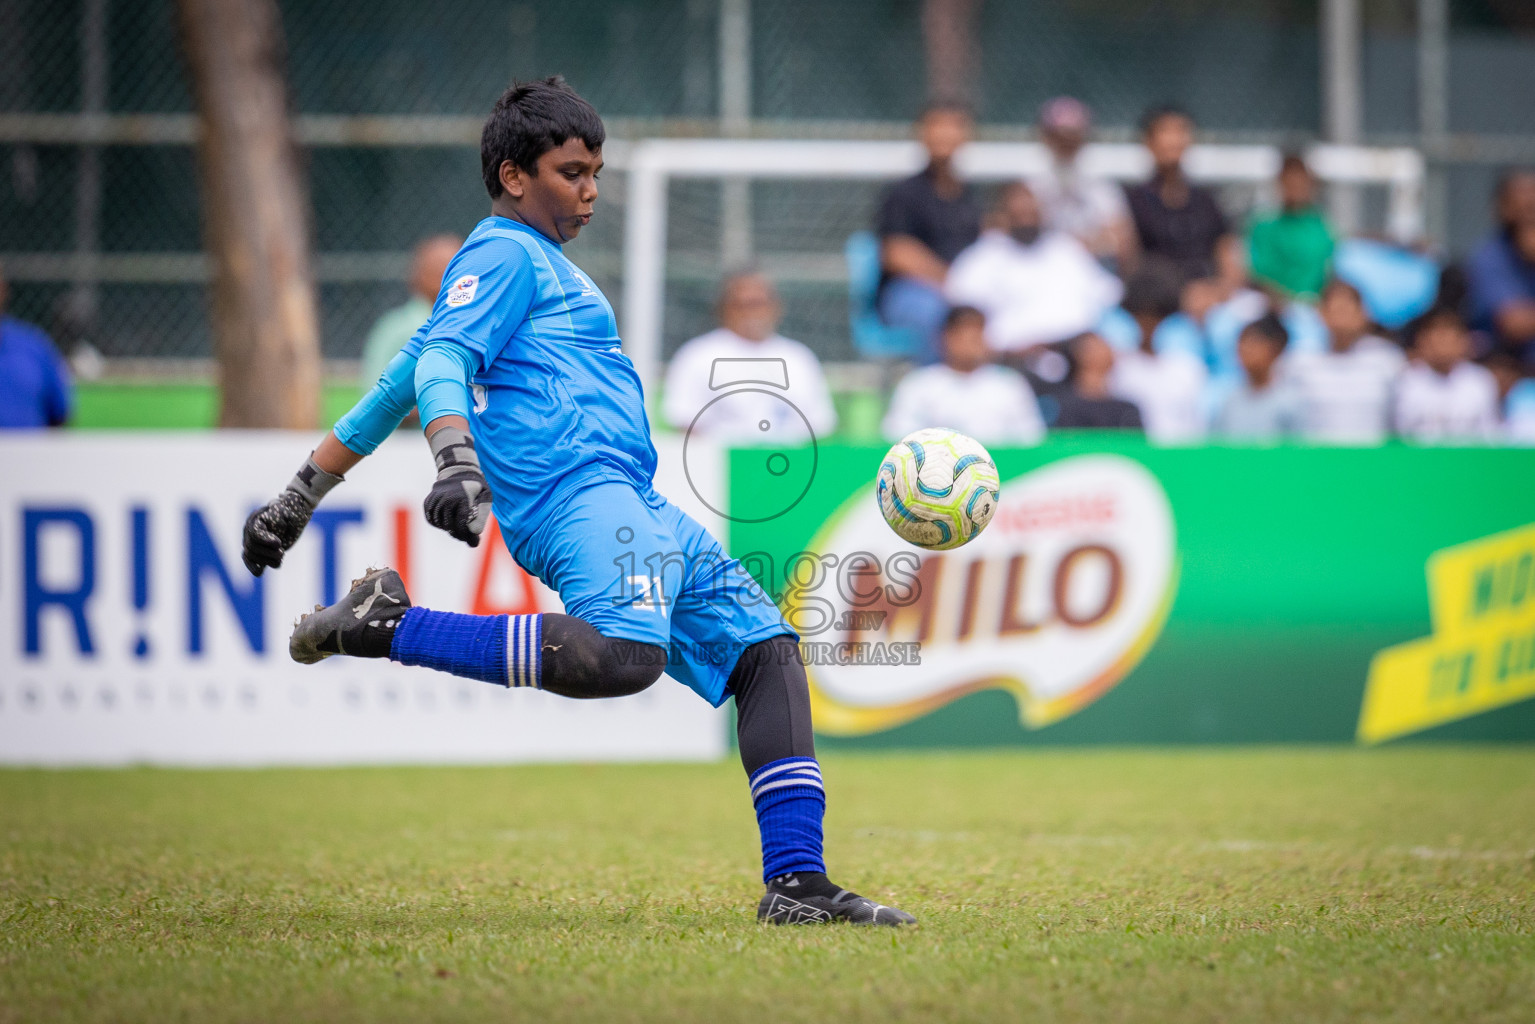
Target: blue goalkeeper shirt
column 554, row 404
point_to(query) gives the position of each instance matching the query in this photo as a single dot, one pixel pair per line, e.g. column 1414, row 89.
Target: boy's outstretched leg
column 558, row 653
column 778, row 753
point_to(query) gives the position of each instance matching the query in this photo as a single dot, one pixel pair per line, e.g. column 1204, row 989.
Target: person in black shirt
column 1087, row 404
column 924, row 222
column 1174, row 218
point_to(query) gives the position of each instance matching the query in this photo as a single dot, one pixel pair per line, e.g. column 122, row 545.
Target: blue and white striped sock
column 524, row 649
column 502, row 649
column 790, row 802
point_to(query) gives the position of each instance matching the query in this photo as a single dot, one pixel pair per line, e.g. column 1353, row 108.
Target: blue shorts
column 644, row 570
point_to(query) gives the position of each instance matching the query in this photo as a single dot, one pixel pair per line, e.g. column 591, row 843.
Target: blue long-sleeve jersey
column 524, row 346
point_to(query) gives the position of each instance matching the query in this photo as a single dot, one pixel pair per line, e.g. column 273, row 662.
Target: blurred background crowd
column 1068, row 302
column 1061, row 300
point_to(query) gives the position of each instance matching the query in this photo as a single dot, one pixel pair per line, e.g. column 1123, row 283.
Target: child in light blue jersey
column 533, row 411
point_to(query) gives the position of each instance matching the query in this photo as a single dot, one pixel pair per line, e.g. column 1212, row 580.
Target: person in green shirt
column 1292, row 249
column 392, row 330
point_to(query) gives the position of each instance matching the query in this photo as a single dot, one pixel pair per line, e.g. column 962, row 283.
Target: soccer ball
column 938, row 488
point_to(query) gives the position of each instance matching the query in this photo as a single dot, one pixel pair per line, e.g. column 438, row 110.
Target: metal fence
column 99, row 219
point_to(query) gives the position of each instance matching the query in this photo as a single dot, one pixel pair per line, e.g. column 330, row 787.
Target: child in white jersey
column 1444, row 398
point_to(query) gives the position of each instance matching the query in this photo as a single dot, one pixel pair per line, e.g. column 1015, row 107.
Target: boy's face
column 751, row 308
column 964, row 345
column 1168, row 138
column 942, row 133
column 1343, row 314
column 1443, row 344
column 1093, row 355
column 557, row 201
column 1296, row 189
column 1257, row 354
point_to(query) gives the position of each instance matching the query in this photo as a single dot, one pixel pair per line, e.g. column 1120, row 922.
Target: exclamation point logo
column 140, row 528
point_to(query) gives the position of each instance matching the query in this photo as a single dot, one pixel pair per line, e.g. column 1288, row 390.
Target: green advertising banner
column 1131, row 594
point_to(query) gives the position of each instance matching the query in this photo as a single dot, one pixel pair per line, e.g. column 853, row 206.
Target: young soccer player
column 532, row 409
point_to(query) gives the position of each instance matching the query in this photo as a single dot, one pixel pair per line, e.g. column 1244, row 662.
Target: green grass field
column 1196, row 885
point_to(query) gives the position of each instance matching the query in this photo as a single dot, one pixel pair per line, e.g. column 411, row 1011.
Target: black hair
column 1270, row 328
column 946, row 105
column 529, row 120
column 1503, row 359
column 1159, row 111
column 1436, row 315
column 960, row 314
column 1153, row 290
column 1337, row 284
column 1293, row 161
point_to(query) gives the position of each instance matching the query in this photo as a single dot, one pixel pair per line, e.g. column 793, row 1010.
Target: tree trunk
column 255, row 216
column 953, row 58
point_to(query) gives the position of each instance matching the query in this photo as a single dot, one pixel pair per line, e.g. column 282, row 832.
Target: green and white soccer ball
column 938, row 488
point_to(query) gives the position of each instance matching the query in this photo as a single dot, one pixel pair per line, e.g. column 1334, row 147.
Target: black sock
column 806, row 883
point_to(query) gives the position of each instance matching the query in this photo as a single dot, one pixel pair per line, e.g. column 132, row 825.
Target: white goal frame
column 650, row 165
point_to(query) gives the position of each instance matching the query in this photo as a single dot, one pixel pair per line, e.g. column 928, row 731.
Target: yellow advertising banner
column 1482, row 652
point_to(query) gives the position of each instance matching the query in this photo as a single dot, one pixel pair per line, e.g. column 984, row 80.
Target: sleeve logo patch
column 462, row 292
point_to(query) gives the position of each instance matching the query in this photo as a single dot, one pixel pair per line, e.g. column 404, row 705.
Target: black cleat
column 812, row 898
column 361, row 624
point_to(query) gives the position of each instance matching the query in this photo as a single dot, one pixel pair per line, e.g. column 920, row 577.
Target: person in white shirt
column 729, row 382
column 1089, row 208
column 1443, row 397
column 1036, row 287
column 1345, row 392
column 966, row 392
column 1167, row 386
column 1516, row 396
column 1519, row 414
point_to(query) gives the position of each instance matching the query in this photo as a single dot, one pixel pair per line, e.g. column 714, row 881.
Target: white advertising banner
column 131, row 632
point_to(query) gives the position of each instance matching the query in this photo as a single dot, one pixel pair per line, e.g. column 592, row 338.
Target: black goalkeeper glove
column 459, row 502
column 275, row 527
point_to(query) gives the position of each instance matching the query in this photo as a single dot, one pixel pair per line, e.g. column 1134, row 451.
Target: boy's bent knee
column 632, row 666
column 580, row 662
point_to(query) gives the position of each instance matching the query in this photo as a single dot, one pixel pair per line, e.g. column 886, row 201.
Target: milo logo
column 1056, row 602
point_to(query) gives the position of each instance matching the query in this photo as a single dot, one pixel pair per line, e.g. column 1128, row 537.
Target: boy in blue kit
column 533, row 411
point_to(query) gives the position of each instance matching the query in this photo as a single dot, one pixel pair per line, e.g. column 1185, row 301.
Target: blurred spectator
column 1345, row 392
column 966, row 392
column 75, row 327
column 1264, row 407
column 392, row 330
column 1516, row 396
column 1442, row 396
column 34, row 381
column 1501, row 270
column 1168, row 385
column 1174, row 218
column 924, row 222
column 1035, row 286
column 747, row 349
column 1088, row 403
column 1519, row 413
column 1292, row 249
column 1089, row 208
